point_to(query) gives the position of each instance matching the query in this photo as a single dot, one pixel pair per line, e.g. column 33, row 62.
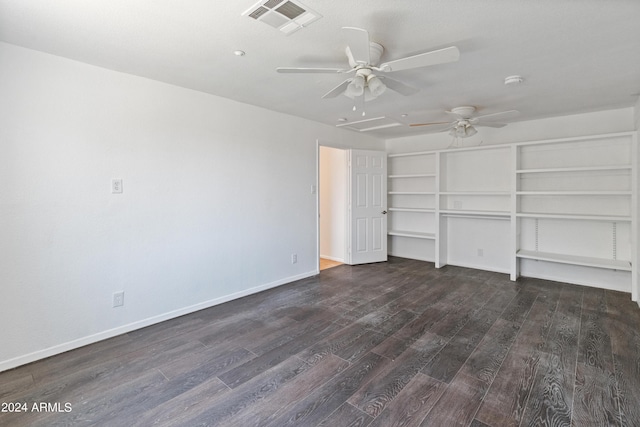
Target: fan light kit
column 464, row 124
column 363, row 56
column 463, row 129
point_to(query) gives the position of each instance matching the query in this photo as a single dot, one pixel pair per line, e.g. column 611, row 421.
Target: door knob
column 383, row 212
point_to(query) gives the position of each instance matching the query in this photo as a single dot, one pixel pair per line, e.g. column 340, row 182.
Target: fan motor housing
column 465, row 111
column 375, row 53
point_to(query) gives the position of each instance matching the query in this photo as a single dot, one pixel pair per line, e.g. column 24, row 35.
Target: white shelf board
column 576, row 169
column 414, row 175
column 616, row 218
column 574, row 193
column 415, row 153
column 412, row 234
column 477, row 148
column 408, row 193
column 475, row 193
column 576, row 138
column 398, row 209
column 476, row 213
column 610, row 264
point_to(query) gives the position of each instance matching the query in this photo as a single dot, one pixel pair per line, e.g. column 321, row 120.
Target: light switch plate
column 116, row 186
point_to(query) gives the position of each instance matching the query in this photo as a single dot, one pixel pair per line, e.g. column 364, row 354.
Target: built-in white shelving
column 412, row 209
column 493, row 214
column 413, row 193
column 573, row 193
column 474, row 193
column 416, row 175
column 609, row 218
column 412, row 204
column 412, row 234
column 521, row 208
column 611, row 264
column 576, row 169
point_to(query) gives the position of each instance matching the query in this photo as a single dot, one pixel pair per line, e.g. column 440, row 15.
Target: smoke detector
column 287, row 16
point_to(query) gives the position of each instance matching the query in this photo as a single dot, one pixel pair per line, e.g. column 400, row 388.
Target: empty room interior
column 311, row 213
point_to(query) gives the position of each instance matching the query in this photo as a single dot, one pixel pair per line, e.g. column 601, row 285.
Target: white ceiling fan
column 464, row 124
column 364, row 56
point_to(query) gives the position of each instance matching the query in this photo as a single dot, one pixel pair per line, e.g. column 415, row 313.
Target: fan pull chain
column 355, row 100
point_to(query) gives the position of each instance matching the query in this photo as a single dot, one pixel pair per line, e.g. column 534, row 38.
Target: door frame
column 346, row 216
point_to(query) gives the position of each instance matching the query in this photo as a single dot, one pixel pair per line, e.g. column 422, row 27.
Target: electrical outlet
column 116, row 186
column 294, row 258
column 480, row 252
column 118, row 299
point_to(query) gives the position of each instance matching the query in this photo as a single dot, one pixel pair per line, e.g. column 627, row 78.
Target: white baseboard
column 479, row 267
column 417, row 258
column 553, row 278
column 91, row 339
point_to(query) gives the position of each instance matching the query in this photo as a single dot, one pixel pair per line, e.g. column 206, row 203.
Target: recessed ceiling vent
column 287, row 16
column 371, row 124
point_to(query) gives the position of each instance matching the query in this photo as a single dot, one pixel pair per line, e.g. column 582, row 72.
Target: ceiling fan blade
column 491, row 125
column 358, row 44
column 437, row 126
column 310, row 70
column 337, row 90
column 399, row 87
column 504, row 115
column 441, row 56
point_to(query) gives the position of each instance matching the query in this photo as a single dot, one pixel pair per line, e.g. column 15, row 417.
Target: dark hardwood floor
column 391, row 344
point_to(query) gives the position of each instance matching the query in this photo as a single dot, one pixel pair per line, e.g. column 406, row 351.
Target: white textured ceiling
column 575, row 55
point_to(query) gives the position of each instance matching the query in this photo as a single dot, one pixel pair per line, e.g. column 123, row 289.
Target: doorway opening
column 332, row 201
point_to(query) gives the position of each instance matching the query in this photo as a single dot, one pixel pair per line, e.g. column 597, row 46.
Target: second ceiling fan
column 369, row 78
column 465, row 121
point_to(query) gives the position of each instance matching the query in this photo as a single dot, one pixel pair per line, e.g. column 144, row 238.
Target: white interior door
column 367, row 206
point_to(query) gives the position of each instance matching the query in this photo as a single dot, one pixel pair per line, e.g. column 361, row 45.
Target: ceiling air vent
column 371, row 124
column 290, row 10
column 258, row 12
column 285, row 15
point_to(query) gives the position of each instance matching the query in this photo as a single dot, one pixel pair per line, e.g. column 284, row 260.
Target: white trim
column 318, row 205
column 91, row 339
column 418, row 258
column 559, row 279
column 479, row 267
column 634, row 223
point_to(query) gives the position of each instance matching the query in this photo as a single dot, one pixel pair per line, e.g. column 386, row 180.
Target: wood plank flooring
column 328, row 263
column 381, row 345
